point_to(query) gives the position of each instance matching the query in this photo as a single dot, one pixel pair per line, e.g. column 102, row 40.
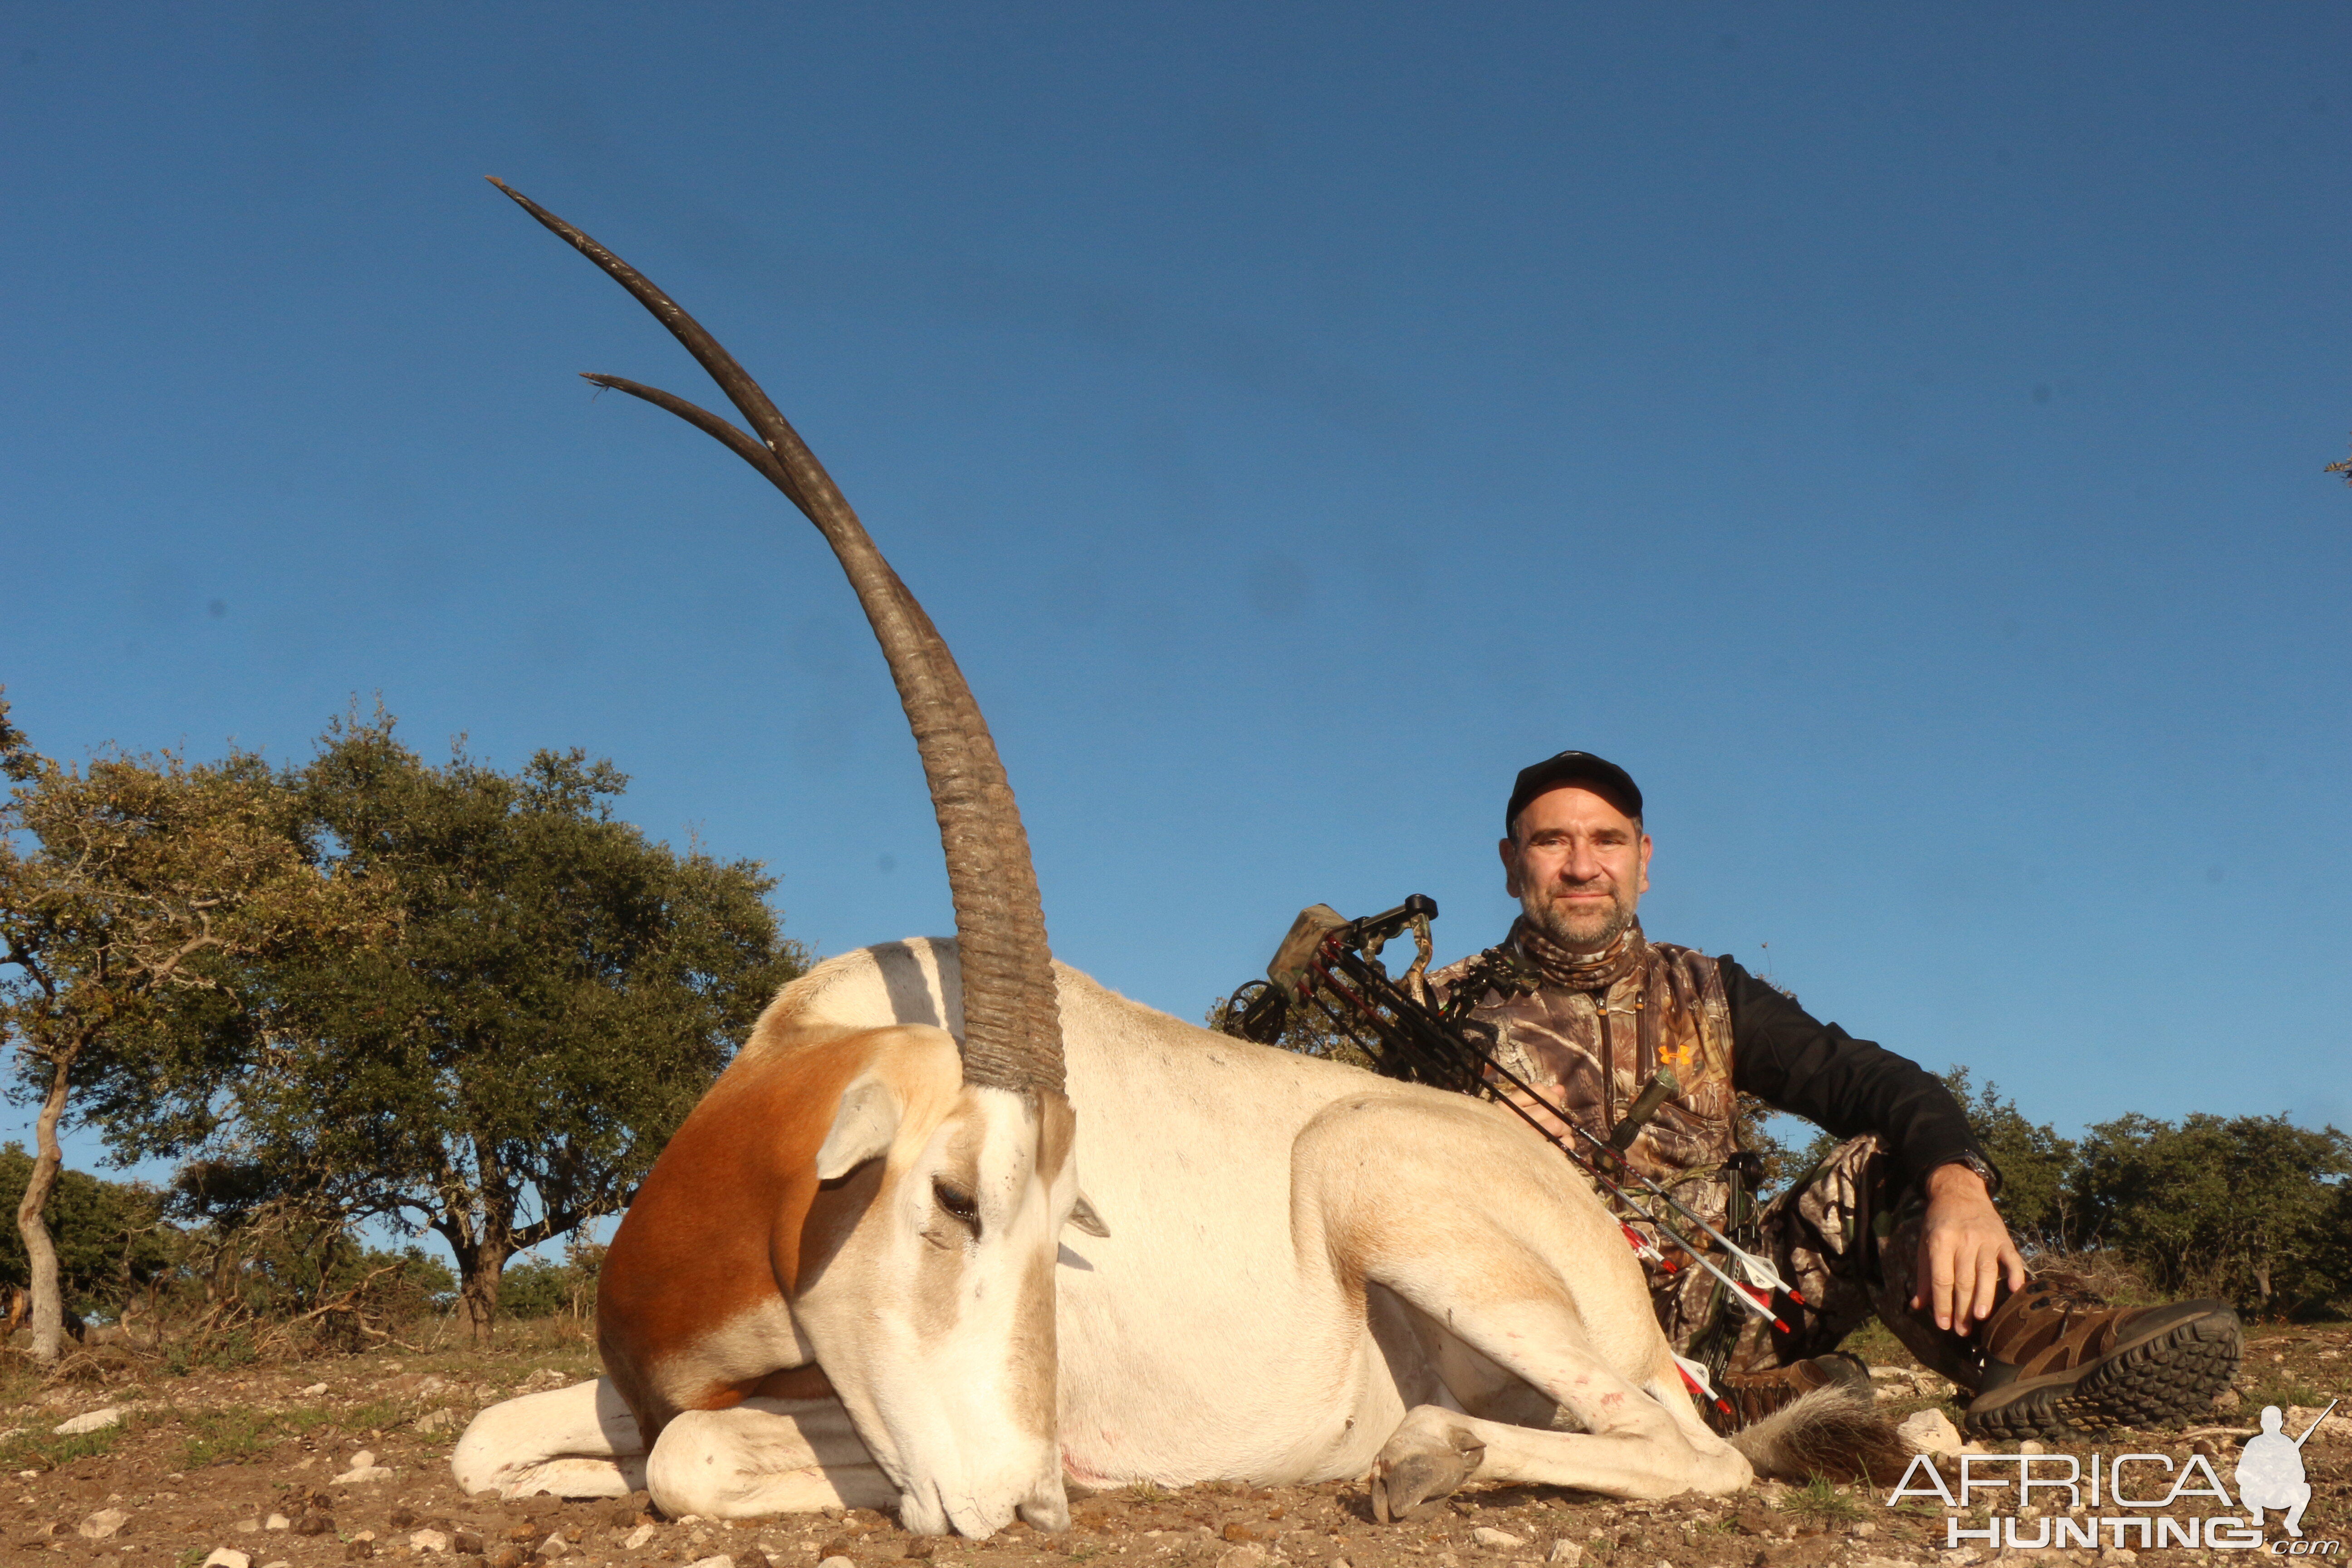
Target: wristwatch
column 1981, row 1166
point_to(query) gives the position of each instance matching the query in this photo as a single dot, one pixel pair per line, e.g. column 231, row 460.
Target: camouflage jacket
column 1593, row 1053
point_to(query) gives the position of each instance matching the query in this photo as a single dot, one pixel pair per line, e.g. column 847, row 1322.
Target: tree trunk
column 480, row 1270
column 49, row 1301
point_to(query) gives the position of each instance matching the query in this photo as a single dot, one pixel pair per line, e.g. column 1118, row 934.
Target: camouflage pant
column 1846, row 1234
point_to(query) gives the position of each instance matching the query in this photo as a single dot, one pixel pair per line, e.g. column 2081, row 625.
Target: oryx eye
column 959, row 1203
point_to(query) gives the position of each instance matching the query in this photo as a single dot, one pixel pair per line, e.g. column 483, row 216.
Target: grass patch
column 1820, row 1502
column 239, row 1435
column 2281, row 1387
column 1875, row 1342
column 232, row 1437
column 20, row 1382
column 47, row 1451
column 1146, row 1492
column 375, row 1416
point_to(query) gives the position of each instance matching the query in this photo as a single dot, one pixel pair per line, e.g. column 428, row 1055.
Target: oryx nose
column 1047, row 1510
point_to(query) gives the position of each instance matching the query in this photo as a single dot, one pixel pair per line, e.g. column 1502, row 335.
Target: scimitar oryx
column 864, row 1273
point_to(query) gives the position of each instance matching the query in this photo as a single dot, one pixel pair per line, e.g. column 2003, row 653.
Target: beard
column 1590, row 928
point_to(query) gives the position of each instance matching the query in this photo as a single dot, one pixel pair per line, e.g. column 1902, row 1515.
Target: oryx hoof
column 1420, row 1464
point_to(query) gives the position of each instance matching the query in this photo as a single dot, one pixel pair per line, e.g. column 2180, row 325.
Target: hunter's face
column 1578, row 865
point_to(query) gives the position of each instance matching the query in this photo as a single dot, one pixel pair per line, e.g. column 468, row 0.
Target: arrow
column 1760, row 1273
column 1694, row 1378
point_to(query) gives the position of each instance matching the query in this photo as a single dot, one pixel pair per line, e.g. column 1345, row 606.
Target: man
column 1899, row 1219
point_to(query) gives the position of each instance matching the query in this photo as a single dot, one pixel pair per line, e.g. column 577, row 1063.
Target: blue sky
column 1893, row 433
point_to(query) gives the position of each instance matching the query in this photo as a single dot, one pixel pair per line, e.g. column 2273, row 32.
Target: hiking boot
column 1753, row 1396
column 2060, row 1362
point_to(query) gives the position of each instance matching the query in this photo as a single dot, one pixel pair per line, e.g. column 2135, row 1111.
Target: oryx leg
column 576, row 1442
column 1528, row 1271
column 1632, row 1444
column 763, row 1457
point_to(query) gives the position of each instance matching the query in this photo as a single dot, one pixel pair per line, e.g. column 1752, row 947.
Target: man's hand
column 1965, row 1251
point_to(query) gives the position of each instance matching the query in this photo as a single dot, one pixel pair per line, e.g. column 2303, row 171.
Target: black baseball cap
column 1573, row 767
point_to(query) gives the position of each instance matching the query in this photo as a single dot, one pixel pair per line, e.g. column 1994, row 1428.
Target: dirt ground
column 248, row 1458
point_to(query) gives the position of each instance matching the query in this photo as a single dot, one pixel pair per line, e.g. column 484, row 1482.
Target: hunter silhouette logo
column 2270, row 1471
column 2046, row 1501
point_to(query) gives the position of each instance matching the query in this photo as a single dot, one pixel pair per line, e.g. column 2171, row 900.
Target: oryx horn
column 1012, row 1023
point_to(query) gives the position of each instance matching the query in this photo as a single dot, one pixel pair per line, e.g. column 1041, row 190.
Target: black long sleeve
column 1793, row 1062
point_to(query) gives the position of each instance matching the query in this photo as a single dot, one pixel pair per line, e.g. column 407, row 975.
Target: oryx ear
column 1086, row 1219
column 862, row 1129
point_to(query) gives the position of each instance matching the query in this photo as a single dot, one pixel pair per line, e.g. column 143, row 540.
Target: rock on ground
column 1930, row 1432
column 96, row 1421
column 101, row 1524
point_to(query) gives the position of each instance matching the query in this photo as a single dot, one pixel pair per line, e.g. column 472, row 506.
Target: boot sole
column 2171, row 1375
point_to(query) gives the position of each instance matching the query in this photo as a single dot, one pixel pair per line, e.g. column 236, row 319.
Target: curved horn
column 1012, row 1022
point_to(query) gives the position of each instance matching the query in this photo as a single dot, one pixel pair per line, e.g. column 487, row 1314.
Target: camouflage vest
column 1593, row 1053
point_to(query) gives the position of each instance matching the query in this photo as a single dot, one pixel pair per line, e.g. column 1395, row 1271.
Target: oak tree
column 503, row 1065
column 136, row 893
column 2249, row 1207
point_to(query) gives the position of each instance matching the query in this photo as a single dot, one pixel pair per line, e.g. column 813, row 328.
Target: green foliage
column 2252, row 1208
column 126, row 890
column 536, row 1288
column 2033, row 1159
column 551, row 994
column 258, row 1257
column 136, row 894
column 110, row 1236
